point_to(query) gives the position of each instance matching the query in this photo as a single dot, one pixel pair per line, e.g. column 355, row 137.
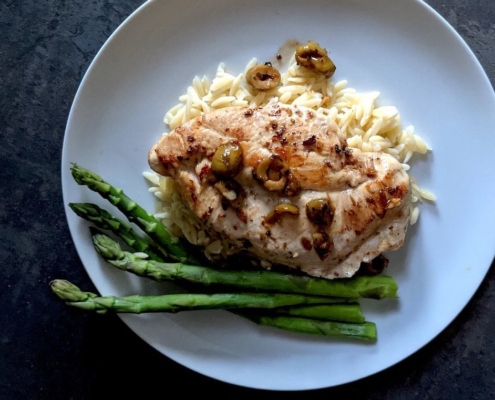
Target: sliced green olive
column 261, row 172
column 263, row 77
column 315, row 58
column 271, row 168
column 282, row 208
column 275, row 176
column 275, row 186
column 293, row 187
column 320, row 211
column 227, row 160
column 322, row 244
column 272, row 173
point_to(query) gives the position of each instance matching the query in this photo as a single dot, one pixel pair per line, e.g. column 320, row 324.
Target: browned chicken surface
column 280, row 183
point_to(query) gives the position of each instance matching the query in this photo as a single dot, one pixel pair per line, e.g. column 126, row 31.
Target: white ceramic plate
column 400, row 47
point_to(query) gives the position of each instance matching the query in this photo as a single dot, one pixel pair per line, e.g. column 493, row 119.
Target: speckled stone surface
column 50, row 352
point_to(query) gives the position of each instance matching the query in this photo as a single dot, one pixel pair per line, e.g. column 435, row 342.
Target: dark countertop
column 50, row 352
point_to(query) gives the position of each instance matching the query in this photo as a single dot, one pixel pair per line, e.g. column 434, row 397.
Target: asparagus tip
column 78, row 209
column 106, row 247
column 66, row 291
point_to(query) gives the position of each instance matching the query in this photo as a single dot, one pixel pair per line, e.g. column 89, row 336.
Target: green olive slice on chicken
column 263, row 77
column 272, row 172
column 293, row 187
column 279, row 210
column 227, row 160
column 320, row 211
column 315, row 58
column 322, row 244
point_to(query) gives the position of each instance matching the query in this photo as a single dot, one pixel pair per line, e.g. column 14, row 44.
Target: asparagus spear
column 104, row 220
column 326, row 312
column 379, row 286
column 341, row 309
column 134, row 212
column 365, row 330
column 186, row 302
column 175, row 302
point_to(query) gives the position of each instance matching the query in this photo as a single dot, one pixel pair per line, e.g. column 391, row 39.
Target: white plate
column 402, row 48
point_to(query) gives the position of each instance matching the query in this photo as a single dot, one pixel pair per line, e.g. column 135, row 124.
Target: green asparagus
column 104, row 220
column 326, row 312
column 379, row 286
column 365, row 330
column 174, row 303
column 238, row 302
column 303, row 303
column 134, row 212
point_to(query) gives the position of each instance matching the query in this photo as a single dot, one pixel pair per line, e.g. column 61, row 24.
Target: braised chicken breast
column 280, row 183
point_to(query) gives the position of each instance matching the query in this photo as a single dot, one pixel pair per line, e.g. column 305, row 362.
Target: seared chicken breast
column 280, row 183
